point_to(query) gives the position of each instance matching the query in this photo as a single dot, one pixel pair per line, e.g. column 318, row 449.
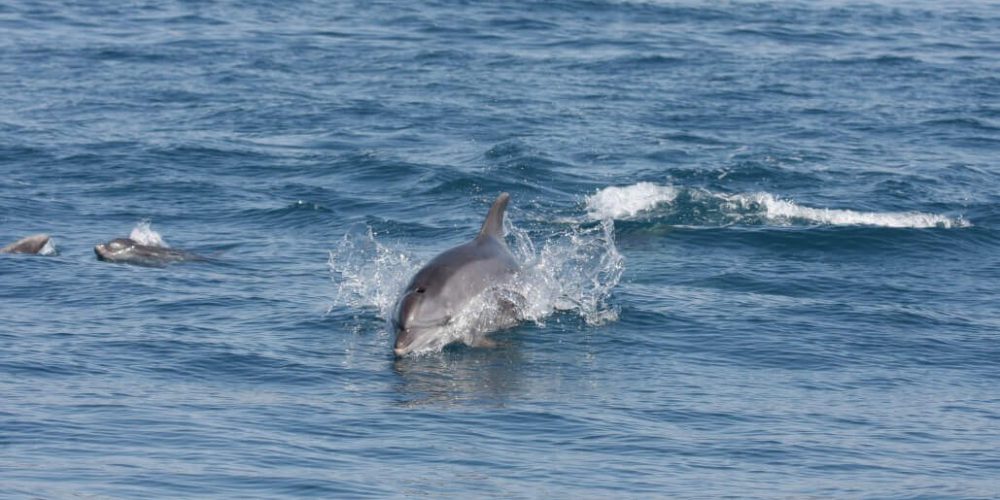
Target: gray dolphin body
column 441, row 289
column 31, row 244
column 129, row 251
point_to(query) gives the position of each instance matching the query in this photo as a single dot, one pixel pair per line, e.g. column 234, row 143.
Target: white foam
column 784, row 211
column 144, row 234
column 622, row 202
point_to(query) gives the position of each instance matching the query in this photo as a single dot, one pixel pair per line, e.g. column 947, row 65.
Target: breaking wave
column 702, row 207
column 623, row 202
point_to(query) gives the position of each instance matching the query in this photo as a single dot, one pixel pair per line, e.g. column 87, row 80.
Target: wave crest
column 622, row 202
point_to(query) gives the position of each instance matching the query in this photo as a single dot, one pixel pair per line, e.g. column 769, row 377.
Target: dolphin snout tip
column 400, row 348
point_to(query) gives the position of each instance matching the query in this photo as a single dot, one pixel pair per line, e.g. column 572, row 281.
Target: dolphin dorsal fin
column 493, row 225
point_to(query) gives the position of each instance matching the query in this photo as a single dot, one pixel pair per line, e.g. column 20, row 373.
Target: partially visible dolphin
column 129, row 251
column 31, row 244
column 444, row 287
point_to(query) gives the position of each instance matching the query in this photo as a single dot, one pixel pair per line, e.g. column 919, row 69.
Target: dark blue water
column 765, row 246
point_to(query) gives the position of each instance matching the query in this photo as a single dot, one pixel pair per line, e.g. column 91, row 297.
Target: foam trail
column 144, row 234
column 778, row 210
column 708, row 208
column 624, row 202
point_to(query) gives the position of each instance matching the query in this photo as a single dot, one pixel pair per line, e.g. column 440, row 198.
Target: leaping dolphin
column 35, row 243
column 129, row 251
column 441, row 290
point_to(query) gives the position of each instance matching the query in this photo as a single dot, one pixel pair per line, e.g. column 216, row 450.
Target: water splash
column 49, row 248
column 144, row 234
column 573, row 271
column 369, row 274
column 702, row 207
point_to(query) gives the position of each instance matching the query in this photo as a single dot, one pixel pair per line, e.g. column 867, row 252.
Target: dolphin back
column 493, row 225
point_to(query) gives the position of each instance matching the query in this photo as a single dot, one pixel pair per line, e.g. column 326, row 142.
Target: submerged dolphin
column 32, row 244
column 440, row 290
column 129, row 251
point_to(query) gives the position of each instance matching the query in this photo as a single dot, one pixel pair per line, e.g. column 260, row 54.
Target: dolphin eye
column 421, row 290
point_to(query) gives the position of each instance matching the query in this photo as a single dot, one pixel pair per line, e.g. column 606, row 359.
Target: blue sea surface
column 763, row 242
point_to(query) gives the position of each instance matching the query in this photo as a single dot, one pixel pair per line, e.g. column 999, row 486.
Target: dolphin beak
column 402, row 345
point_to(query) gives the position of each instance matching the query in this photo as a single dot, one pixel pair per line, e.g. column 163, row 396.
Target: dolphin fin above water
column 493, row 225
column 34, row 244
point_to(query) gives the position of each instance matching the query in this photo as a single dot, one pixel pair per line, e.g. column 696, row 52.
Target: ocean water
column 761, row 243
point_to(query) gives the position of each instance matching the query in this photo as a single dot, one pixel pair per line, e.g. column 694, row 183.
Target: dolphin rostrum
column 35, row 243
column 129, row 251
column 442, row 289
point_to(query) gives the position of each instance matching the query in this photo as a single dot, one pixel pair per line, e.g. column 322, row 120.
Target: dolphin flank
column 444, row 287
column 129, row 251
